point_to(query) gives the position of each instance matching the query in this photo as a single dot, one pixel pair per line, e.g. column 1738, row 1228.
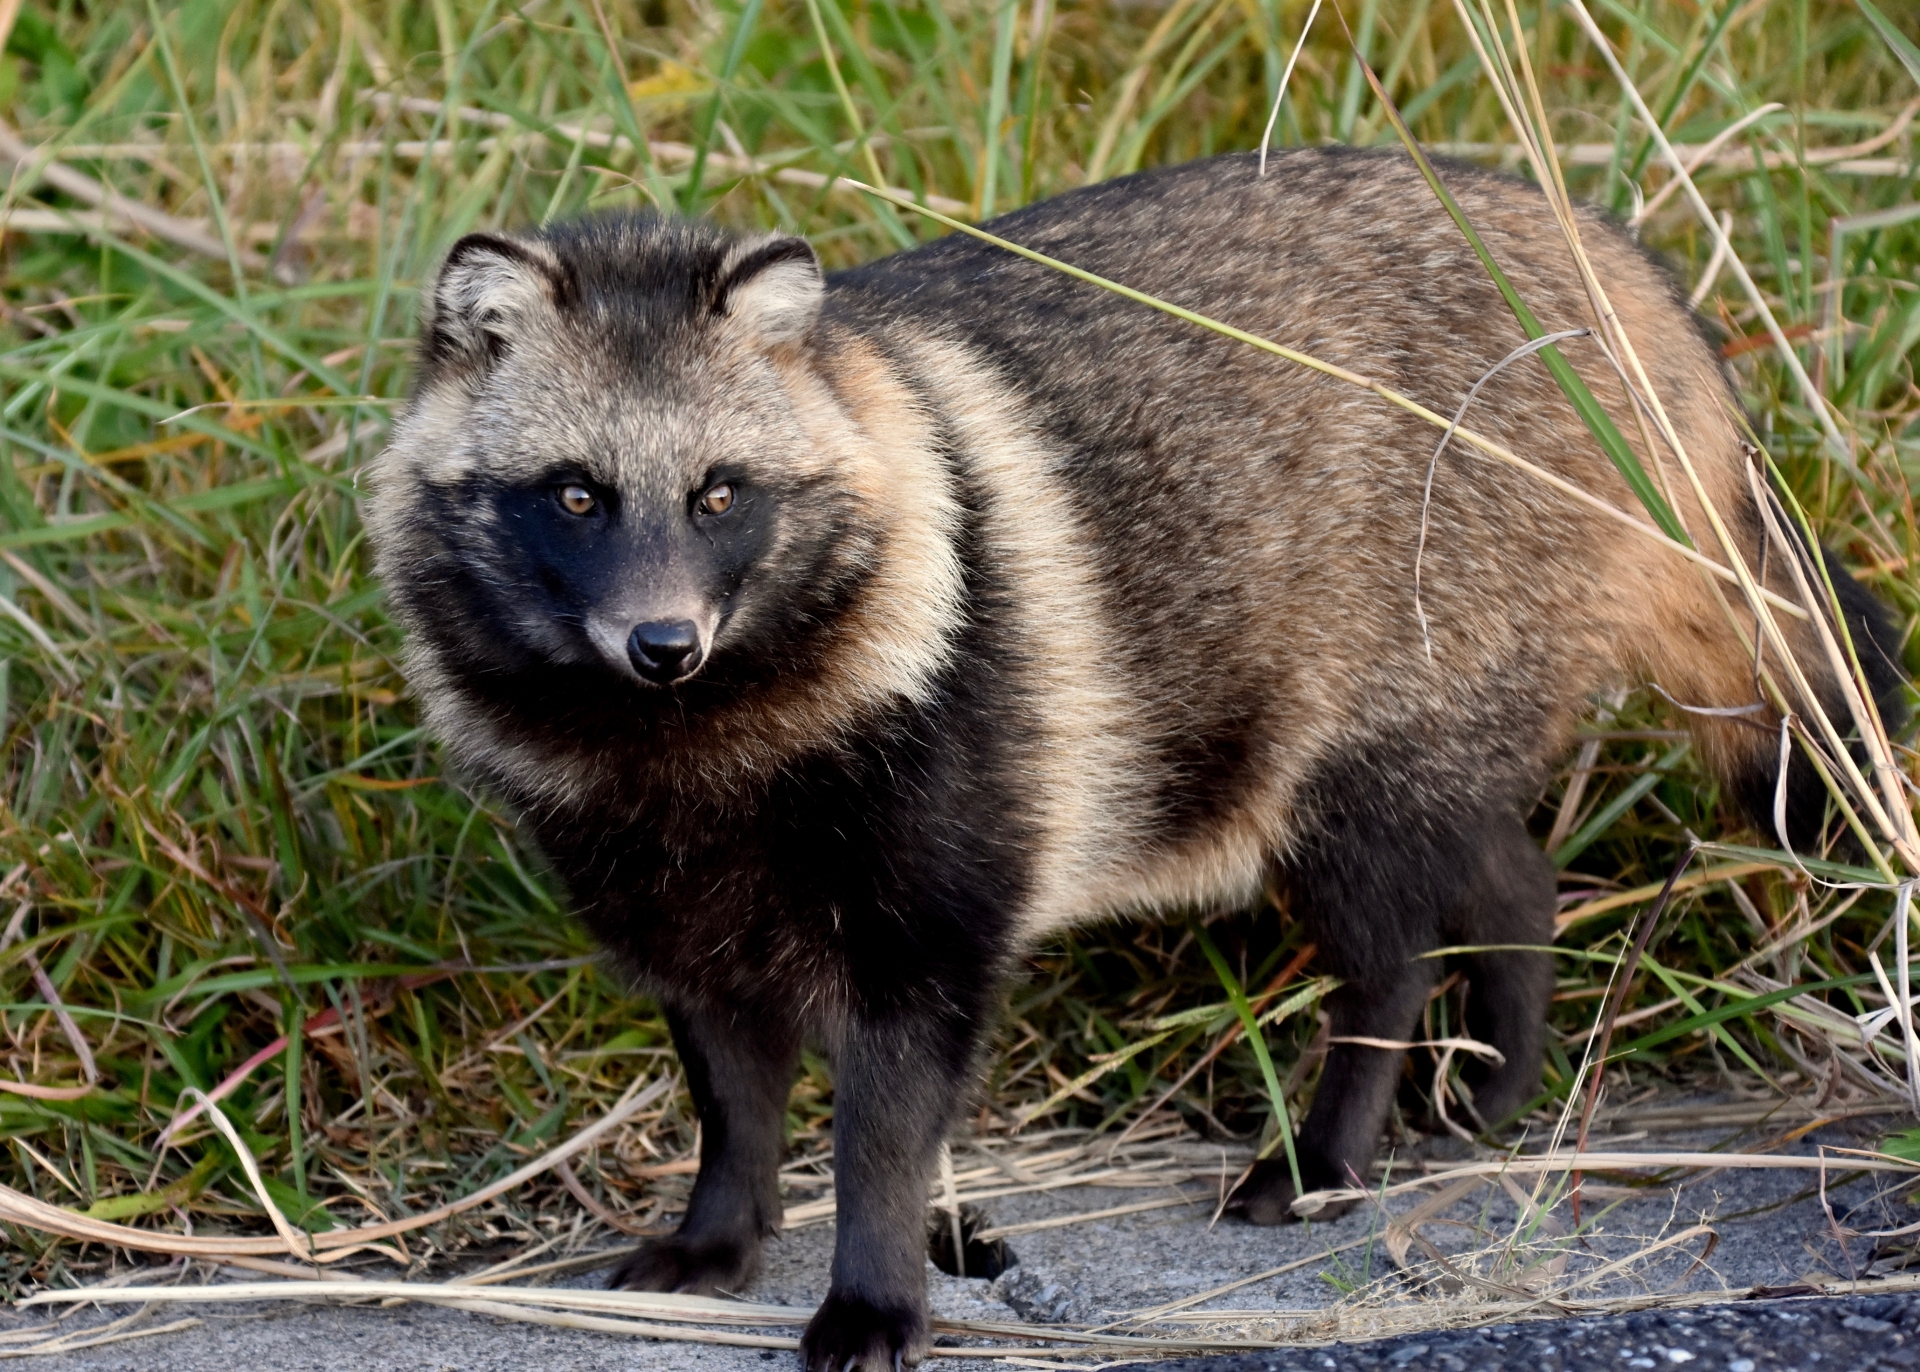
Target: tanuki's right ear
column 490, row 290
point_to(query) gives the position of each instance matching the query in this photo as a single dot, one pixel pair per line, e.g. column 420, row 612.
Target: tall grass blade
column 1903, row 47
column 729, row 68
column 992, row 133
column 1599, row 423
column 1250, row 1027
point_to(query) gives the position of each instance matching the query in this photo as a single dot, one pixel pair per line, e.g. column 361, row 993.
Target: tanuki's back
column 1245, row 532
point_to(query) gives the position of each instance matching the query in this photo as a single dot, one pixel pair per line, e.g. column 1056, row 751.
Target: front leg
column 740, row 1070
column 900, row 1081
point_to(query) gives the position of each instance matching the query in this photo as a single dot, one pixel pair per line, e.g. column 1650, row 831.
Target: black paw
column 1267, row 1196
column 976, row 1257
column 848, row 1334
column 689, row 1266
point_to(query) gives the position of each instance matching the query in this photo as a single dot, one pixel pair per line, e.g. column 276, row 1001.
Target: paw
column 1267, row 1196
column 977, row 1257
column 848, row 1334
column 689, row 1266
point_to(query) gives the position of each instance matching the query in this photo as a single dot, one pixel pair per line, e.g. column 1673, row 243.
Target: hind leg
column 1371, row 892
column 1377, row 893
column 1342, row 1131
column 1508, row 899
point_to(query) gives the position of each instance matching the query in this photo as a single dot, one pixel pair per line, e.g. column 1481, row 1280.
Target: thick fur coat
column 837, row 639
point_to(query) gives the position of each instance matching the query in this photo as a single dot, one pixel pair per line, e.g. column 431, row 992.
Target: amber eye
column 577, row 500
column 718, row 499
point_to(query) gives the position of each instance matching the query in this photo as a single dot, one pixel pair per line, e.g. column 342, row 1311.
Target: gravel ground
column 1843, row 1334
column 1771, row 1226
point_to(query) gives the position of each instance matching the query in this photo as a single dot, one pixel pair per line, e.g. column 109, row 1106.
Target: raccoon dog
column 837, row 639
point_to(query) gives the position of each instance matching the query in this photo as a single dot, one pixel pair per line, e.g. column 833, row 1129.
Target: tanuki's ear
column 771, row 288
column 490, row 290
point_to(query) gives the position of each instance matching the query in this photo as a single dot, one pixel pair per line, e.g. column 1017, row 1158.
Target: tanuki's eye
column 718, row 498
column 577, row 500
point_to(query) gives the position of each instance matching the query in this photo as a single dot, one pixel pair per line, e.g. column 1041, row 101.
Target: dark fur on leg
column 975, row 1257
column 739, row 1073
column 851, row 1334
column 1508, row 900
column 898, row 1083
column 1342, row 1130
column 1379, row 890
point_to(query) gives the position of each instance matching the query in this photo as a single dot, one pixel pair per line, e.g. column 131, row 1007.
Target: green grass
column 218, row 815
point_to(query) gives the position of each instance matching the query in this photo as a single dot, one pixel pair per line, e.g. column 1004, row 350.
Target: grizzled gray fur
column 837, row 639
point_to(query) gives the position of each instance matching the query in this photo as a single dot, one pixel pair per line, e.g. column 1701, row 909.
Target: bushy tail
column 1753, row 770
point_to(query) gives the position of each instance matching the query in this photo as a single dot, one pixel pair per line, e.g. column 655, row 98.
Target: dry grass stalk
column 1640, row 895
column 679, row 1318
column 1379, row 1311
column 1001, row 1231
column 1845, row 161
column 95, row 1336
column 1173, row 1309
column 1144, row 1166
column 1558, row 1164
column 29, row 166
column 1815, row 401
column 21, row 1209
column 665, row 151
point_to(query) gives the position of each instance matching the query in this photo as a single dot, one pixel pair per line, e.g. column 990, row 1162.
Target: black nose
column 664, row 651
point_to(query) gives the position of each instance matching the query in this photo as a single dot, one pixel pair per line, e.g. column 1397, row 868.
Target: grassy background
column 219, row 820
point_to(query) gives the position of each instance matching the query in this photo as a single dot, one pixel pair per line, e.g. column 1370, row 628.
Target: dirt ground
column 1728, row 1230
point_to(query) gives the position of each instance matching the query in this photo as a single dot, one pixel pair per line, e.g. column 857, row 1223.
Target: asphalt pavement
column 1837, row 1334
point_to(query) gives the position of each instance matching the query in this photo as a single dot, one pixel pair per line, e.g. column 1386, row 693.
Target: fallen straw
column 19, row 1208
column 119, row 1331
column 613, row 1311
column 691, row 1319
column 1608, row 1162
column 603, row 1311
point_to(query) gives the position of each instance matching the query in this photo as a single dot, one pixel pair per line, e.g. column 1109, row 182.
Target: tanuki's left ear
column 771, row 288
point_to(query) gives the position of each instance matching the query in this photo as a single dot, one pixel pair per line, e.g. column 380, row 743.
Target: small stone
column 1740, row 1365
column 1400, row 1357
column 1034, row 1297
column 1865, row 1324
column 1679, row 1355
